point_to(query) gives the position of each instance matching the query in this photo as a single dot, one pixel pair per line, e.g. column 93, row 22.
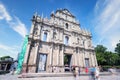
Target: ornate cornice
column 65, row 20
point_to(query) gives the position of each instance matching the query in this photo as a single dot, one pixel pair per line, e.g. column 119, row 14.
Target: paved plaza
column 15, row 77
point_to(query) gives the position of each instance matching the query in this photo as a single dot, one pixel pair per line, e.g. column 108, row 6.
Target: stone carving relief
column 55, row 34
column 35, row 32
column 89, row 43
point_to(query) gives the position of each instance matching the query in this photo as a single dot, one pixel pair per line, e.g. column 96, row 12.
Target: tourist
column 54, row 68
column 13, row 68
column 76, row 73
column 73, row 69
column 83, row 69
column 79, row 70
column 97, row 73
column 92, row 73
column 86, row 70
column 49, row 68
column 112, row 70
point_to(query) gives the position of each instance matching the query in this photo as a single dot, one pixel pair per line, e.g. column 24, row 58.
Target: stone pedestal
column 31, row 68
column 24, row 68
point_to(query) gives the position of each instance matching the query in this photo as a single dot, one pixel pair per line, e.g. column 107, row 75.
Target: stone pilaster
column 83, row 58
column 91, row 61
column 75, row 58
column 80, row 60
column 50, row 54
column 57, row 55
column 31, row 30
column 95, row 59
column 36, row 52
column 61, row 59
column 33, row 58
column 39, row 31
column 26, row 58
column 54, row 56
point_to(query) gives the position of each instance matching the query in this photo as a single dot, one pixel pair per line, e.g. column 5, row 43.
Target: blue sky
column 100, row 17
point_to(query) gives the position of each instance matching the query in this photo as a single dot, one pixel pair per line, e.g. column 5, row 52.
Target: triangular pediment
column 65, row 11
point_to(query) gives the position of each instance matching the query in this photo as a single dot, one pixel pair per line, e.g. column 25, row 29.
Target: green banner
column 21, row 55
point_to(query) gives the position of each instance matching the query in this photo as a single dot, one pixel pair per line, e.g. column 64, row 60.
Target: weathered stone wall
column 61, row 24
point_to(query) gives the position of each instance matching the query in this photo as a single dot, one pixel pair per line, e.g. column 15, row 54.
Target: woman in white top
column 76, row 73
column 97, row 73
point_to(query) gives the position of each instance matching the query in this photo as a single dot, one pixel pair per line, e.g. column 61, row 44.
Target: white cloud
column 4, row 14
column 18, row 26
column 14, row 22
column 107, row 25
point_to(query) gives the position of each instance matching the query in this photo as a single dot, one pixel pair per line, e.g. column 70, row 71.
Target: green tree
column 115, row 59
column 100, row 54
column 117, row 48
column 100, row 58
column 111, row 58
column 65, row 59
column 105, row 57
column 100, row 49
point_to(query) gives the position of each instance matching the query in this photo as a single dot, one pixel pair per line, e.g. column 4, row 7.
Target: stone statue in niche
column 81, row 42
column 78, row 40
column 36, row 29
column 89, row 43
column 54, row 34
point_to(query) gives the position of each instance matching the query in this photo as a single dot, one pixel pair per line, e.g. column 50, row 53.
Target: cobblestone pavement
column 15, row 77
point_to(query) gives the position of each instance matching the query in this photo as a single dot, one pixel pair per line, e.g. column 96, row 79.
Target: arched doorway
column 42, row 59
column 67, row 62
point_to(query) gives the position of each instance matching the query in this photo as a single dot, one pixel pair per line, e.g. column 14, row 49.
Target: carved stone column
column 25, row 62
column 31, row 30
column 75, row 58
column 95, row 59
column 83, row 58
column 91, row 61
column 33, row 58
column 80, row 59
column 39, row 31
column 61, row 59
column 62, row 56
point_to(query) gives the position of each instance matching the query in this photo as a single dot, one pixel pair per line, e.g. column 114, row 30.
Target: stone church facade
column 58, row 42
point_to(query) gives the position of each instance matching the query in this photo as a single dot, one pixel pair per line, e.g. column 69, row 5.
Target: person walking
column 79, row 70
column 86, row 70
column 92, row 73
column 97, row 73
column 76, row 73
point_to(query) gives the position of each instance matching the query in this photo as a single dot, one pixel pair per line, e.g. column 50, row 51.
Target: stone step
column 34, row 75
